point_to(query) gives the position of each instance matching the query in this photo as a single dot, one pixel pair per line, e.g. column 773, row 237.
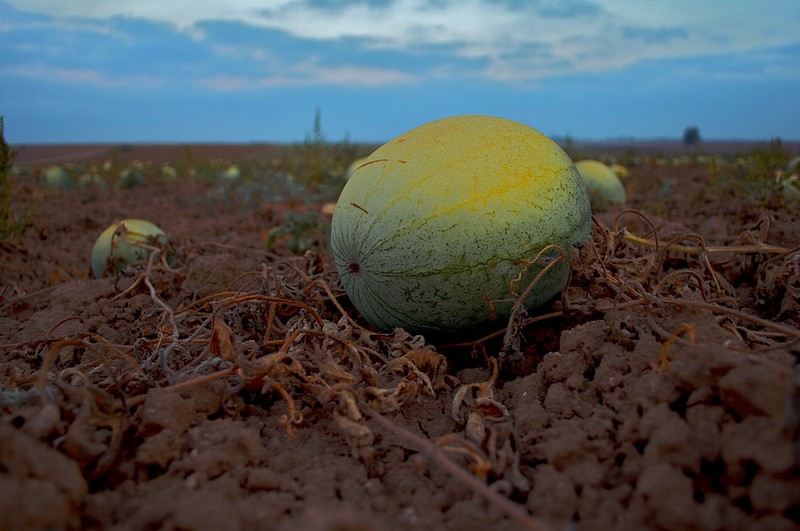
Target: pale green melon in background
column 793, row 165
column 790, row 188
column 621, row 171
column 435, row 224
column 56, row 177
column 683, row 160
column 91, row 180
column 351, row 169
column 604, row 187
column 116, row 248
column 131, row 176
column 790, row 182
column 231, row 173
column 168, row 173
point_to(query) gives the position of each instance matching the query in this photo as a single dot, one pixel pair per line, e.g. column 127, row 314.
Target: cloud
column 570, row 9
column 82, row 76
column 311, row 73
column 335, row 5
column 771, row 64
column 660, row 35
column 502, row 40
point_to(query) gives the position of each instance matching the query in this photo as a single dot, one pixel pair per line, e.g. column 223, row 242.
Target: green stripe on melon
column 435, row 224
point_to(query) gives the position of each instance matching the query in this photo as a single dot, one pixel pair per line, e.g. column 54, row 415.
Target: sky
column 127, row 71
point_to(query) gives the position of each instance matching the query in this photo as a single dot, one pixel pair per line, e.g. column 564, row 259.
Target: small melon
column 351, row 169
column 56, row 177
column 132, row 176
column 621, row 171
column 91, row 180
column 793, row 165
column 437, row 230
column 168, row 172
column 231, row 173
column 790, row 187
column 604, row 187
column 118, row 247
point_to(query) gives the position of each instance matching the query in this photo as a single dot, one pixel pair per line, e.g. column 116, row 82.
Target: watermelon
column 437, row 230
column 602, row 184
column 116, row 248
column 56, row 177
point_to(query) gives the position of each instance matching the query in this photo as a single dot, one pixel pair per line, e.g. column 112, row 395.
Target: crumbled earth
column 238, row 389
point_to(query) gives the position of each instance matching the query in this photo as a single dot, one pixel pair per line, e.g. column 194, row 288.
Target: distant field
column 234, row 385
column 29, row 155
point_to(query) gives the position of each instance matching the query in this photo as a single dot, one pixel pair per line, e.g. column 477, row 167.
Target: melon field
column 235, row 386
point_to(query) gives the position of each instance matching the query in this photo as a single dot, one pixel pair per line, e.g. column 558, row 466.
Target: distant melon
column 132, row 176
column 436, row 230
column 231, row 173
column 118, row 246
column 168, row 173
column 793, row 165
column 604, row 187
column 351, row 169
column 621, row 171
column 56, row 177
column 91, row 180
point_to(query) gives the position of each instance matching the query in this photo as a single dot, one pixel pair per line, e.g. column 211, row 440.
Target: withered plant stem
column 182, row 386
column 691, row 249
column 289, row 302
column 427, row 447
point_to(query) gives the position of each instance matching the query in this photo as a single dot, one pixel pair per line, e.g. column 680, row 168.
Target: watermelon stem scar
column 353, row 267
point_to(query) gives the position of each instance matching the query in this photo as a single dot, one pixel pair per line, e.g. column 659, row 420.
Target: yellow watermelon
column 604, row 187
column 432, row 230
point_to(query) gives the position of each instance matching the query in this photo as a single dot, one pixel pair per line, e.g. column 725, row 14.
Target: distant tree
column 691, row 136
column 318, row 136
column 320, row 159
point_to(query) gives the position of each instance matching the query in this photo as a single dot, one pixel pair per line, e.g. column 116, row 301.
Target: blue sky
column 255, row 70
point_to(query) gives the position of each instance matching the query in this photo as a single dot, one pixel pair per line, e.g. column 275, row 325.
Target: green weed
column 10, row 222
column 318, row 160
column 754, row 176
column 301, row 231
